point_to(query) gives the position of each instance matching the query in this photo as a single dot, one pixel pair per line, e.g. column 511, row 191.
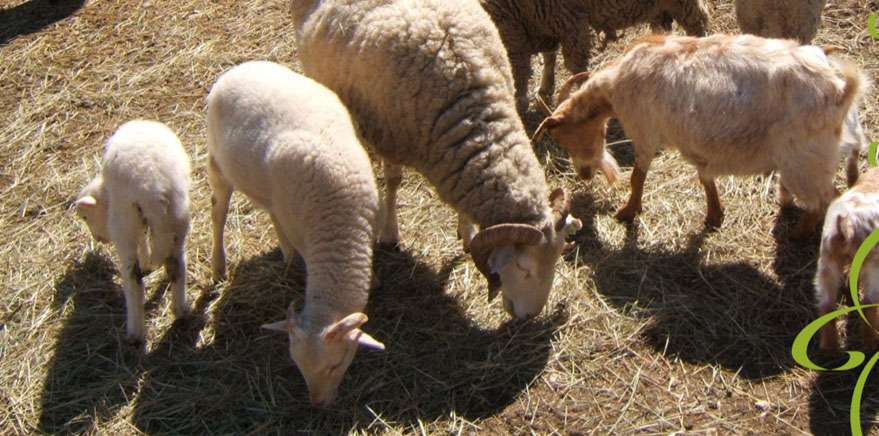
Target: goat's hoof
column 627, row 214
column 135, row 341
column 389, row 246
column 713, row 222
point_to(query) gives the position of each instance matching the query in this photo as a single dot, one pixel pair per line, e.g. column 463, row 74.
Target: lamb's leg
column 521, row 64
column 870, row 278
column 828, row 279
column 633, row 206
column 287, row 248
column 714, row 216
column 221, row 194
column 124, row 227
column 390, row 233
column 547, row 82
column 466, row 231
column 143, row 254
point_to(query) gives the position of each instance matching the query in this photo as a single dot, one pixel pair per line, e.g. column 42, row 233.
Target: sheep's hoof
column 182, row 313
column 627, row 214
column 389, row 246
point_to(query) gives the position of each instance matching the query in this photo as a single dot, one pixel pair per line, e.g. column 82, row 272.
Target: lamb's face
column 324, row 357
column 92, row 208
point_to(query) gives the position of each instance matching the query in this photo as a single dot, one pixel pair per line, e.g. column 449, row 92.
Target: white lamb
column 143, row 187
column 850, row 219
column 288, row 143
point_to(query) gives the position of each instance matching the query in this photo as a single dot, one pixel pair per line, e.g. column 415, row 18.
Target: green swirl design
column 799, row 349
column 871, row 154
column 871, row 26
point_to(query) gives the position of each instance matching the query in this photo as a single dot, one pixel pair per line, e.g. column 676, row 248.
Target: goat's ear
column 86, row 202
column 343, row 326
column 286, row 326
column 610, row 168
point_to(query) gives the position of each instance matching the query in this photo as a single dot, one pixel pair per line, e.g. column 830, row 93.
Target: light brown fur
column 733, row 105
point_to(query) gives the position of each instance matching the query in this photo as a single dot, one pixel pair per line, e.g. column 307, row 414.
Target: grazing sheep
column 143, row 187
column 429, row 84
column 794, row 19
column 730, row 104
column 288, row 143
column 850, row 219
column 540, row 26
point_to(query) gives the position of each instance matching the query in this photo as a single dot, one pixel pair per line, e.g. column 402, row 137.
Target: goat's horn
column 492, row 237
column 565, row 90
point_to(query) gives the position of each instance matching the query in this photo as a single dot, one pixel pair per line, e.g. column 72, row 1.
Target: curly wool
column 429, row 85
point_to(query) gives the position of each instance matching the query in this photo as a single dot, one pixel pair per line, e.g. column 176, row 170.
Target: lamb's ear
column 279, row 326
column 365, row 340
column 286, row 326
column 343, row 326
column 86, row 202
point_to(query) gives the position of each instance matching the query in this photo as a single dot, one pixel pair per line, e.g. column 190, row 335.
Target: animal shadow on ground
column 832, row 392
column 33, row 16
column 730, row 314
column 92, row 370
column 239, row 378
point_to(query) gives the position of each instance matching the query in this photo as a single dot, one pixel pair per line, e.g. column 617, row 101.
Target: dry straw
column 655, row 328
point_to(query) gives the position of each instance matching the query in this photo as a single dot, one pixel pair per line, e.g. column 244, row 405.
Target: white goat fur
column 730, row 104
column 288, row 143
column 143, row 187
column 849, row 220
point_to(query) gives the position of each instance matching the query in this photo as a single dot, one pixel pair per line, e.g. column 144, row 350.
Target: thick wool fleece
column 429, row 85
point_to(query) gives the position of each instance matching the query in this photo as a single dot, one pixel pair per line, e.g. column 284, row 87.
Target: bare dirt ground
column 656, row 328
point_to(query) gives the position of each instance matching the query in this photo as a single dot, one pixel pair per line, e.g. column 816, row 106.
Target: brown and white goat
column 732, row 105
column 850, row 219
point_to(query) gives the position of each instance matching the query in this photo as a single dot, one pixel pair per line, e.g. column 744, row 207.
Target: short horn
column 547, row 123
column 565, row 90
column 495, row 236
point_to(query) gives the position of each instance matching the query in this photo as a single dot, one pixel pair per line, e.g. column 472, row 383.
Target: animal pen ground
column 659, row 327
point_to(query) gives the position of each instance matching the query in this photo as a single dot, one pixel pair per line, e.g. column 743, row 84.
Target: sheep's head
column 519, row 259
column 324, row 357
column 579, row 125
column 91, row 206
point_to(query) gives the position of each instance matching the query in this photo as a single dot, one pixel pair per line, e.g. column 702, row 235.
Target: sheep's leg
column 714, row 217
column 633, row 206
column 547, row 82
column 221, row 194
column 466, row 231
column 869, row 333
column 828, row 279
column 287, row 248
column 390, row 233
column 521, row 64
column 125, row 226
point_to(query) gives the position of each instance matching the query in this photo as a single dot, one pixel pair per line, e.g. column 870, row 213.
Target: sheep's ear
column 365, row 340
column 342, row 327
column 86, row 202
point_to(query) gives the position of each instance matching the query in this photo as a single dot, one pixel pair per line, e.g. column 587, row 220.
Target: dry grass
column 657, row 328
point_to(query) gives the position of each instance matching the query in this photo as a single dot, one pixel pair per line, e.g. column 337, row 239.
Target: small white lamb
column 849, row 220
column 143, row 187
column 289, row 144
